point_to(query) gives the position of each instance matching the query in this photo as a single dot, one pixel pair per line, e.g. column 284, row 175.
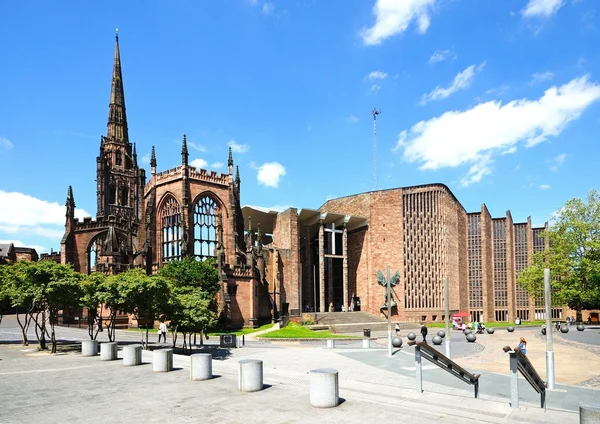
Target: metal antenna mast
column 375, row 112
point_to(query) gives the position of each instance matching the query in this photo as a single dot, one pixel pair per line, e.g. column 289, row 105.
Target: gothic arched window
column 124, row 196
column 118, row 158
column 92, row 255
column 205, row 227
column 112, row 194
column 170, row 216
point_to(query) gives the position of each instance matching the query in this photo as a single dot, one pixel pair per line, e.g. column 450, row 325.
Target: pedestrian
column 424, row 332
column 397, row 329
column 98, row 323
column 343, row 308
column 523, row 345
column 162, row 331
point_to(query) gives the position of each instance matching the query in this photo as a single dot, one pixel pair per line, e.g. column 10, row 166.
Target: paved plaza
column 66, row 387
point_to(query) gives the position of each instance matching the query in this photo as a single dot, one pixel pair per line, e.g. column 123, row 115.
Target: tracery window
column 171, row 230
column 119, row 158
column 92, row 254
column 112, row 194
column 206, row 211
column 124, row 196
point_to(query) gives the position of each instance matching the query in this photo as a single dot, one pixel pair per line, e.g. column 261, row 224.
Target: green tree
column 194, row 285
column 111, row 297
column 573, row 256
column 19, row 290
column 90, row 299
column 4, row 294
column 145, row 297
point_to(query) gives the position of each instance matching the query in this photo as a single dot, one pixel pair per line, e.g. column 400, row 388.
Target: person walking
column 162, row 331
column 397, row 329
column 523, row 345
column 424, row 332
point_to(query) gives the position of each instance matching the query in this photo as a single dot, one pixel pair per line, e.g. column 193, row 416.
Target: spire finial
column 237, row 175
column 117, row 35
column 153, row 158
column 70, row 198
column 184, row 151
column 230, row 160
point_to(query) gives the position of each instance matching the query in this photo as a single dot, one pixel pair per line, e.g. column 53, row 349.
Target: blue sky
column 497, row 99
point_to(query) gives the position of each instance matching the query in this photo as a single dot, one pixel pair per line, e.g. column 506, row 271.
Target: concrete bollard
column 162, row 360
column 132, row 355
column 108, row 351
column 250, row 375
column 89, row 348
column 201, row 366
column 589, row 413
column 330, row 344
column 324, row 388
column 366, row 343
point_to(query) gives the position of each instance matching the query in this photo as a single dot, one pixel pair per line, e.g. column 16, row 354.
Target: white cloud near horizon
column 440, row 56
column 472, row 137
column 237, row 147
column 393, row 17
column 26, row 215
column 542, row 8
column 270, row 173
column 461, row 81
column 199, row 163
column 538, row 77
column 5, row 143
column 377, row 75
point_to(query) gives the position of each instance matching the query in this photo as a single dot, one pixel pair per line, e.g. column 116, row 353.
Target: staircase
column 354, row 322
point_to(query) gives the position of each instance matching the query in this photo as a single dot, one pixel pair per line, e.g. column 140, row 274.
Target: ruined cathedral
column 275, row 264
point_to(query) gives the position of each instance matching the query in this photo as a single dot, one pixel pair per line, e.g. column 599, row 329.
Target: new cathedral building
column 276, row 263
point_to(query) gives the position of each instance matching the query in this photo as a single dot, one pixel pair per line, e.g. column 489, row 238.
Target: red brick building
column 283, row 263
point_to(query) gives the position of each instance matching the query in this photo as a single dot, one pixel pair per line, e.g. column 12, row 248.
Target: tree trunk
column 91, row 320
column 579, row 318
column 174, row 335
column 53, row 319
column 24, row 327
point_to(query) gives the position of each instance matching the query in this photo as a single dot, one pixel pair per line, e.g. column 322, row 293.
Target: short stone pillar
column 162, row 360
column 324, row 388
column 201, row 366
column 589, row 413
column 108, row 351
column 132, row 355
column 366, row 343
column 330, row 344
column 250, row 375
column 89, row 348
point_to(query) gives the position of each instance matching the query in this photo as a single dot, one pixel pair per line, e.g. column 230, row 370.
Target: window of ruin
column 206, row 211
column 170, row 216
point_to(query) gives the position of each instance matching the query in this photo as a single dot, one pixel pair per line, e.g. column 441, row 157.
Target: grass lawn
column 494, row 324
column 295, row 331
column 241, row 331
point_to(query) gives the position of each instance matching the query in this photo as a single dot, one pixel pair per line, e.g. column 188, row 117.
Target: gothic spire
column 230, row 162
column 237, row 176
column 70, row 203
column 134, row 155
column 153, row 158
column 117, row 119
column 184, row 152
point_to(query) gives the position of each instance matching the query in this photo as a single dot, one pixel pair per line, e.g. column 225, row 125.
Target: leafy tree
column 91, row 298
column 19, row 290
column 111, row 297
column 145, row 297
column 573, row 256
column 4, row 294
column 194, row 285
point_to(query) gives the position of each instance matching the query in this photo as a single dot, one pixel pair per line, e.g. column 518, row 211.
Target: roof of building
column 5, row 249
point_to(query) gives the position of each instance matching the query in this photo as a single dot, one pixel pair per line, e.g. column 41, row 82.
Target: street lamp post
column 549, row 351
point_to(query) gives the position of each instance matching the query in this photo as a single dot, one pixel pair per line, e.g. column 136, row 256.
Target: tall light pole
column 389, row 308
column 549, row 351
column 447, row 315
column 375, row 112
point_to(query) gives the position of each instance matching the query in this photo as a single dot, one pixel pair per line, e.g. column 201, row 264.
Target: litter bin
column 518, row 321
column 227, row 340
column 367, row 332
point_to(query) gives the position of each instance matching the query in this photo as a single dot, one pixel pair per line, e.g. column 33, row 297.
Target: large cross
column 333, row 231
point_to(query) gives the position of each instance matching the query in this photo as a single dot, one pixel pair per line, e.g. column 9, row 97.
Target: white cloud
column 198, row 147
column 545, row 186
column 374, row 89
column 238, row 148
column 394, row 16
column 217, row 165
column 541, row 77
column 541, row 8
column 5, row 143
column 377, row 75
column 35, row 231
column 146, row 159
column 461, row 81
column 472, row 136
column 353, row 119
column 268, row 8
column 18, row 243
column 557, row 161
column 440, row 56
column 199, row 163
column 269, row 174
